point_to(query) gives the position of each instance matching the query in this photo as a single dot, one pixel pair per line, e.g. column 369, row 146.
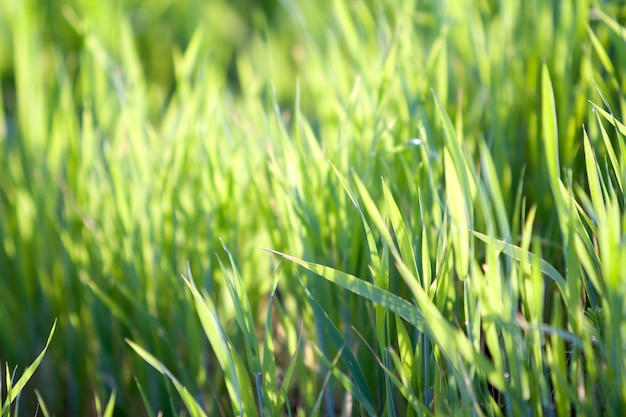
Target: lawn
column 291, row 207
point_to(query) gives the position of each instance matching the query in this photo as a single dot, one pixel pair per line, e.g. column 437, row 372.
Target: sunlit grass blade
column 495, row 191
column 621, row 128
column 448, row 339
column 108, row 409
column 237, row 383
column 595, row 186
column 402, row 232
column 268, row 361
column 459, row 193
column 460, row 224
column 214, row 332
column 602, row 54
column 243, row 312
column 551, row 141
column 615, row 166
column 520, row 254
column 14, row 389
column 377, row 265
column 406, row 353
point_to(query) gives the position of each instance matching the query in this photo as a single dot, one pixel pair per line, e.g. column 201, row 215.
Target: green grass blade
column 288, row 378
column 243, row 312
column 144, row 398
column 621, row 128
column 14, row 390
column 42, row 404
column 429, row 320
column 551, row 140
column 192, row 405
column 219, row 343
column 269, row 361
column 520, row 254
column 611, row 153
column 495, row 191
column 595, row 187
column 402, row 383
column 460, row 225
column 110, row 407
column 458, row 160
column 377, row 265
column 361, row 388
column 402, row 232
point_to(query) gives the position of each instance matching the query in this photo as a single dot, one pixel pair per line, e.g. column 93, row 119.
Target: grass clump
column 439, row 187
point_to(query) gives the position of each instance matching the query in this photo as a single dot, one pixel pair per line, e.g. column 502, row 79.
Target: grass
column 313, row 208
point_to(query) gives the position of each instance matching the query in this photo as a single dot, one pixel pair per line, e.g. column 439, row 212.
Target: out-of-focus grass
column 429, row 154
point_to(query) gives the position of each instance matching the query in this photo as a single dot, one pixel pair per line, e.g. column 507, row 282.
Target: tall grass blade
column 15, row 389
column 192, row 405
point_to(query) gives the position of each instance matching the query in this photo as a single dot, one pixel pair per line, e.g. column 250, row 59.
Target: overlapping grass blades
column 564, row 357
column 482, row 230
column 252, row 383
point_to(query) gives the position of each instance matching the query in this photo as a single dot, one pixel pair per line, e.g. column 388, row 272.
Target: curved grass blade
column 459, row 192
column 449, row 339
column 239, row 389
column 14, row 390
column 41, row 404
column 456, row 152
column 427, row 318
column 520, row 254
column 192, row 405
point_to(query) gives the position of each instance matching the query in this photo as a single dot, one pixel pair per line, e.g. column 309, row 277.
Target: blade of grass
column 42, row 404
column 430, row 321
column 192, row 405
column 144, row 398
column 14, row 389
column 361, row 388
column 239, row 388
column 519, row 254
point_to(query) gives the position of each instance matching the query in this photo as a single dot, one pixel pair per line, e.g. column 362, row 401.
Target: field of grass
column 285, row 207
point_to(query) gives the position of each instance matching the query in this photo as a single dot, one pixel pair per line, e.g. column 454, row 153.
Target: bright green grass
column 314, row 208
